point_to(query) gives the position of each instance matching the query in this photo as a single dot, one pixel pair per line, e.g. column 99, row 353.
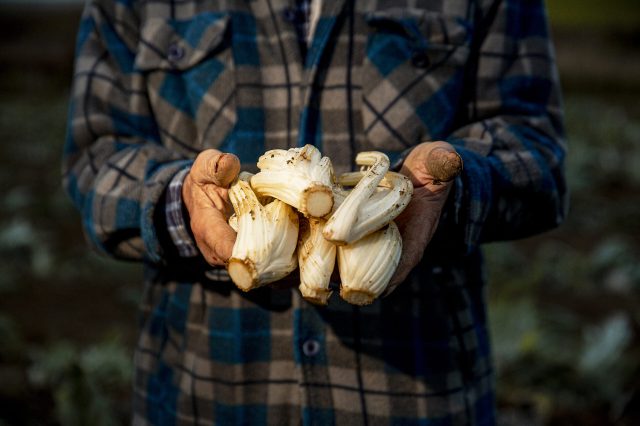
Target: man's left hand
column 431, row 166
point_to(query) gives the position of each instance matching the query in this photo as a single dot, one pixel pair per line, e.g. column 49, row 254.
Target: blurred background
column 564, row 306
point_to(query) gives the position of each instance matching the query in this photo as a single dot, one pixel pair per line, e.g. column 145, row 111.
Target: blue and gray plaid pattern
column 176, row 223
column 158, row 81
column 299, row 16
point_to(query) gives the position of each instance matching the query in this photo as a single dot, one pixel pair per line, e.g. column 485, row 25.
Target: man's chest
column 381, row 75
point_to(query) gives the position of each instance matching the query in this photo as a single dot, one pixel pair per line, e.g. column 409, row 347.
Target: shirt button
column 311, row 347
column 420, row 60
column 175, row 52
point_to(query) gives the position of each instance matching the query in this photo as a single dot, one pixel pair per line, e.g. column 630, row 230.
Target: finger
column 215, row 167
column 219, row 244
column 412, row 249
column 214, row 237
column 206, row 196
column 417, row 224
column 219, row 197
column 410, row 258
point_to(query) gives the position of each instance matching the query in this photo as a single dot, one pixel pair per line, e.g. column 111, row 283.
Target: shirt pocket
column 189, row 72
column 412, row 76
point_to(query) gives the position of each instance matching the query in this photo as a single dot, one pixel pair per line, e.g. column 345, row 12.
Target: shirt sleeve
column 511, row 136
column 179, row 230
column 115, row 166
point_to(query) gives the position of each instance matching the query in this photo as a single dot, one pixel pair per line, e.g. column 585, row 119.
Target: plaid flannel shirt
column 160, row 80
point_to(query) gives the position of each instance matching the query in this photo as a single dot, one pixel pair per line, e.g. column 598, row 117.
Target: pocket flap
column 423, row 26
column 179, row 44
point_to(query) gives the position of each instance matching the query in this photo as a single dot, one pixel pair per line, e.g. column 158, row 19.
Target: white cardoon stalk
column 390, row 198
column 300, row 177
column 316, row 259
column 366, row 266
column 340, row 223
column 265, row 246
column 379, row 197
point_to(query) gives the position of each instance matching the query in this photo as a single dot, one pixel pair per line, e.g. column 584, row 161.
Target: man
column 163, row 87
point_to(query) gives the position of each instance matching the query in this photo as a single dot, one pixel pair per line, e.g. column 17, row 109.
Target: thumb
column 214, row 167
column 443, row 162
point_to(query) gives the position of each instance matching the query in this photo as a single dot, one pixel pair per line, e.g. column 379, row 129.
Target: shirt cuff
column 471, row 198
column 176, row 224
column 398, row 160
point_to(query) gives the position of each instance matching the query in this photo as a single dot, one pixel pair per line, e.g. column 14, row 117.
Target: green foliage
column 603, row 142
column 575, row 14
column 562, row 323
column 45, row 257
column 39, row 234
column 88, row 385
column 12, row 344
column 563, row 306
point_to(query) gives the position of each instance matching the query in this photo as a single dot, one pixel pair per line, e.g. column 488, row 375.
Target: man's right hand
column 205, row 195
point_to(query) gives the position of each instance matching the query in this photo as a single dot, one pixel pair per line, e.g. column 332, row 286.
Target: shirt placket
column 329, row 99
column 311, row 357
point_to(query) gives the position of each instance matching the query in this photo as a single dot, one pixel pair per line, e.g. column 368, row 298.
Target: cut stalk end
column 357, row 297
column 316, row 296
column 317, row 200
column 243, row 273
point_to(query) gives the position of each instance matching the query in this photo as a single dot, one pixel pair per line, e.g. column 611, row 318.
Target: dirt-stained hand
column 431, row 166
column 205, row 195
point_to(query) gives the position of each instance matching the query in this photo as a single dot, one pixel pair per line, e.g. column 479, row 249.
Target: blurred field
column 564, row 305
